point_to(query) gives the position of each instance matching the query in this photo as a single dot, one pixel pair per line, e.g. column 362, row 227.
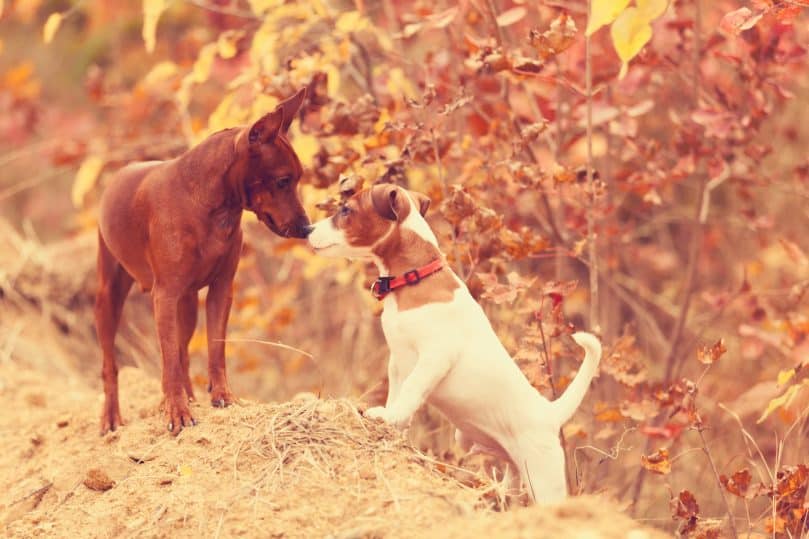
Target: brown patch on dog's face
column 363, row 218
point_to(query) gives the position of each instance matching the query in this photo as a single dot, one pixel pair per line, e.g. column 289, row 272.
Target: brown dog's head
column 366, row 219
column 273, row 172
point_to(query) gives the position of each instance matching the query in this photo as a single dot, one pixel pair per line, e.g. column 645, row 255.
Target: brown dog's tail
column 567, row 404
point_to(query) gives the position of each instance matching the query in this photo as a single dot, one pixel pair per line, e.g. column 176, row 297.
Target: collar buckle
column 381, row 287
column 412, row 277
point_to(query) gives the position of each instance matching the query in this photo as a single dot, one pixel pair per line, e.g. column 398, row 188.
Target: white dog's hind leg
column 542, row 468
column 472, row 447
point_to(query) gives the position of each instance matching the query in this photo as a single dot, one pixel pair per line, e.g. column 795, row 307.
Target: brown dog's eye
column 284, row 182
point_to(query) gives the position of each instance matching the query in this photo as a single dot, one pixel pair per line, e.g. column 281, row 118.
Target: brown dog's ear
column 268, row 126
column 423, row 201
column 291, row 106
column 385, row 198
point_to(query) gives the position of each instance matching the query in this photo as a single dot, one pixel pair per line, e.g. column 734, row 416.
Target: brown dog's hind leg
column 114, row 284
column 187, row 318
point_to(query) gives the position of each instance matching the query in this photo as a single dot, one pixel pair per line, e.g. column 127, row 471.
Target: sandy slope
column 308, row 468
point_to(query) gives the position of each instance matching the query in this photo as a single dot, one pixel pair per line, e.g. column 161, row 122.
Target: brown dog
column 174, row 227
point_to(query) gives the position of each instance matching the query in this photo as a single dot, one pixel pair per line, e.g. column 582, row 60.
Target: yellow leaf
column 350, row 21
column 332, row 80
column 630, row 33
column 227, row 114
column 603, row 12
column 782, row 401
column 652, row 9
column 51, row 27
column 185, row 470
column 227, row 43
column 204, row 63
column 785, row 376
column 306, row 146
column 261, row 6
column 152, row 9
column 160, row 72
column 86, row 178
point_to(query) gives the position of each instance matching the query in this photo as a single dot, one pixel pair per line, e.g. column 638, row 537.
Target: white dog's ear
column 423, row 201
column 388, row 203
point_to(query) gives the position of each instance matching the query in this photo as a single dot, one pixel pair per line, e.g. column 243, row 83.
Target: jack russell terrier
column 443, row 349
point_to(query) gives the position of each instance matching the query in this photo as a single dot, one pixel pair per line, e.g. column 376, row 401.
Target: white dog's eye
column 344, row 210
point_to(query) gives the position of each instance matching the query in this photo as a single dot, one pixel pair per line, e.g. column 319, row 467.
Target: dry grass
column 308, row 467
column 305, row 468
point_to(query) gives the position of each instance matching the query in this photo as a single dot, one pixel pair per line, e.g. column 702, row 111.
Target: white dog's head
column 368, row 218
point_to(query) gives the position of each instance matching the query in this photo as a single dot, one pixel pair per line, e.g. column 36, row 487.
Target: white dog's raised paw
column 388, row 415
column 377, row 412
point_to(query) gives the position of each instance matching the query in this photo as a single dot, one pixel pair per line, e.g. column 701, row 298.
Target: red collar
column 385, row 285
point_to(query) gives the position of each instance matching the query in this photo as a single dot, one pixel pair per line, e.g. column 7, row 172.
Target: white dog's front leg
column 414, row 391
column 394, row 380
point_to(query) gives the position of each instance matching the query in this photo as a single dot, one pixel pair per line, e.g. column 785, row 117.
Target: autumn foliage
column 642, row 173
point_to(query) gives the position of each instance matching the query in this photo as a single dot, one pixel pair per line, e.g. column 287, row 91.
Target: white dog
column 442, row 347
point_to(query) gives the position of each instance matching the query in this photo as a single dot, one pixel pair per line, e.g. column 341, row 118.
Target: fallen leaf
column 98, row 480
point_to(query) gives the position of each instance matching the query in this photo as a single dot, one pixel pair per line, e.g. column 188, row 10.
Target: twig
column 271, row 343
column 690, row 275
column 592, row 250
column 718, row 482
column 613, row 454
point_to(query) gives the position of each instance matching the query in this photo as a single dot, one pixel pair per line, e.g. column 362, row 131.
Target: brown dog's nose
column 307, row 230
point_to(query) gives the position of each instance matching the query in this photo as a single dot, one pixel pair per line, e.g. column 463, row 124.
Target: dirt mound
column 306, row 468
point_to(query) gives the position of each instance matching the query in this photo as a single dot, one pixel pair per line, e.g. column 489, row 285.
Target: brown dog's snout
column 301, row 228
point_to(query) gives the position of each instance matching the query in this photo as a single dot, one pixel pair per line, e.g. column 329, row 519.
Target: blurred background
column 686, row 251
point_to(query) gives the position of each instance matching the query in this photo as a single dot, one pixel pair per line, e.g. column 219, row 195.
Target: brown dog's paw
column 178, row 415
column 110, row 420
column 221, row 398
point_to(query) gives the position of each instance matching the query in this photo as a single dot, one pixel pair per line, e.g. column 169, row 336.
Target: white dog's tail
column 567, row 404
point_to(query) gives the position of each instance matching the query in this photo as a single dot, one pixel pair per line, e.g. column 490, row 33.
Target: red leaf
column 666, row 432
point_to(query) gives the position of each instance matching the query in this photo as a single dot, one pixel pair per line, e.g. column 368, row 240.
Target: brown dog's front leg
column 176, row 401
column 187, row 318
column 217, row 311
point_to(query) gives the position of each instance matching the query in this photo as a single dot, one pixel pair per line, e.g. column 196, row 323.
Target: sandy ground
column 307, row 468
